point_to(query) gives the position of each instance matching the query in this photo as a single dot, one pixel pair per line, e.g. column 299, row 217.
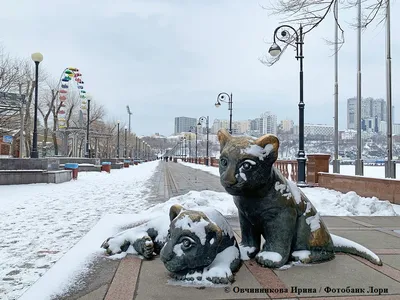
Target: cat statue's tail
column 347, row 246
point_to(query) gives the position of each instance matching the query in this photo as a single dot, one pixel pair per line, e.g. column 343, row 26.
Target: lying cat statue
column 193, row 244
column 271, row 206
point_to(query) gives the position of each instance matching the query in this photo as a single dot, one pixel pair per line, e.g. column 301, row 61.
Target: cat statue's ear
column 269, row 139
column 223, row 137
column 174, row 211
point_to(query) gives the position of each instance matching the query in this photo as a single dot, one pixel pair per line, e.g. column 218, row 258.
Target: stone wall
column 383, row 189
column 79, row 160
column 50, row 164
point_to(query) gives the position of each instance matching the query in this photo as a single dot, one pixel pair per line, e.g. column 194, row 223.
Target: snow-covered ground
column 333, row 203
column 41, row 222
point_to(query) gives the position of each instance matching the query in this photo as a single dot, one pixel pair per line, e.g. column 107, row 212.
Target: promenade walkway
column 133, row 278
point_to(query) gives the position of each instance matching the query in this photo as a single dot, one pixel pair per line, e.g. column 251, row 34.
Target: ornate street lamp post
column 221, row 98
column 37, row 58
column 203, row 120
column 118, row 139
column 126, row 137
column 195, row 128
column 287, row 34
column 87, row 129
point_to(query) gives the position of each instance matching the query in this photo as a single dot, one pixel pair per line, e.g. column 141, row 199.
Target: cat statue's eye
column 223, row 162
column 246, row 166
column 186, row 243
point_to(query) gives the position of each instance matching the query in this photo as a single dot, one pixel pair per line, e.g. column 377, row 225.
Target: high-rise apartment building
column 373, row 111
column 269, row 123
column 183, row 124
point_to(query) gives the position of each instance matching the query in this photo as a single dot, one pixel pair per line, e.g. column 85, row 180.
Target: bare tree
column 48, row 101
column 311, row 13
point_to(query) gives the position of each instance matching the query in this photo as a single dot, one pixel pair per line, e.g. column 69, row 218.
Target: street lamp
column 195, row 128
column 221, row 98
column 126, row 136
column 87, row 128
column 282, row 34
column 201, row 121
column 118, row 139
column 143, row 150
column 37, row 58
column 129, row 127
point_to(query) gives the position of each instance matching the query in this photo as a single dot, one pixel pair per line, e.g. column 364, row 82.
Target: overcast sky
column 171, row 58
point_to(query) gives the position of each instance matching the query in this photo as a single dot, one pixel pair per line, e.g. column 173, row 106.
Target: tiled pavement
column 132, row 278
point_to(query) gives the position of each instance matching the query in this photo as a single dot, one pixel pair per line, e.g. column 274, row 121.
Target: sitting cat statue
column 194, row 245
column 273, row 207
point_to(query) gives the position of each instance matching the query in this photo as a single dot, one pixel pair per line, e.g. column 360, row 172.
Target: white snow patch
column 301, row 254
column 245, row 250
column 280, row 187
column 243, row 175
column 198, row 228
column 212, row 241
column 272, row 256
column 258, row 151
column 314, row 222
column 252, row 162
column 308, row 208
column 295, row 191
column 343, row 242
column 220, row 267
column 178, row 249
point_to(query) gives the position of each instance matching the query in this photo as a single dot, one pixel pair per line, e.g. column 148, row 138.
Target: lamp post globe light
column 195, row 132
column 287, row 34
column 221, row 98
column 117, row 139
column 37, row 58
column 205, row 120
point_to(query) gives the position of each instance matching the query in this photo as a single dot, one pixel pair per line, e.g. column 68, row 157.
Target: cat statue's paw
column 269, row 259
column 144, row 246
column 115, row 245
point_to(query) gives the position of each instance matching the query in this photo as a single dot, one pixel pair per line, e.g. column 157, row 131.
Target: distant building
column 269, row 123
column 373, row 111
column 219, row 124
column 183, row 124
column 318, row 129
column 287, row 125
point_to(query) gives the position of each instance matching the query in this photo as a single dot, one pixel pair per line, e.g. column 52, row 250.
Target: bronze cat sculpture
column 273, row 207
column 193, row 244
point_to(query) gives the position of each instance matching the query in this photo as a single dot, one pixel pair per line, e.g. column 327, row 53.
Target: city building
column 319, row 130
column 373, row 111
column 183, row 124
column 269, row 123
column 219, row 124
column 287, row 125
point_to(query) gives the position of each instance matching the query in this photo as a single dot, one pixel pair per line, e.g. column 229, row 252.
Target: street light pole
column 221, row 98
column 201, row 121
column 336, row 162
column 390, row 171
column 126, row 136
column 37, row 58
column 118, row 140
column 285, row 36
column 87, row 129
column 195, row 128
column 359, row 163
column 129, row 127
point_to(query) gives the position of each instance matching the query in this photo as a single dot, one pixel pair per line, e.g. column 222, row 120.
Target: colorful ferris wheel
column 68, row 77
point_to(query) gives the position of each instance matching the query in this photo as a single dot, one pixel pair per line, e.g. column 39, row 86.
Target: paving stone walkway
column 345, row 277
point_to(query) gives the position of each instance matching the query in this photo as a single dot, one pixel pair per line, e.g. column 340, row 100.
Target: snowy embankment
column 41, row 222
column 334, row 203
column 119, row 196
